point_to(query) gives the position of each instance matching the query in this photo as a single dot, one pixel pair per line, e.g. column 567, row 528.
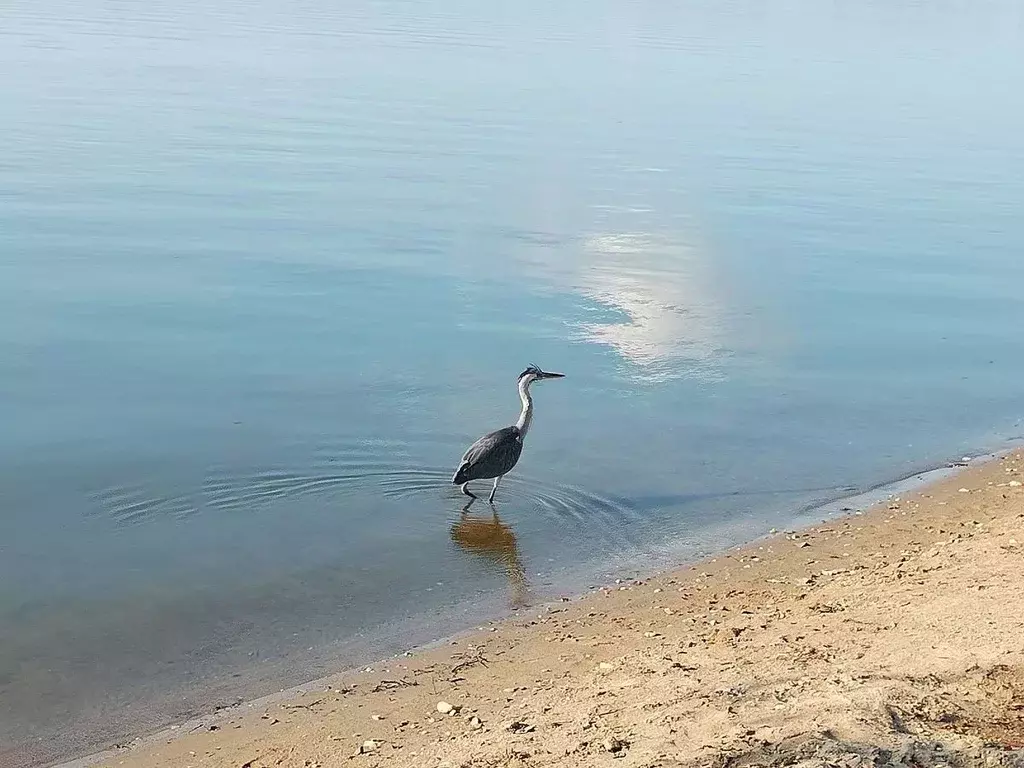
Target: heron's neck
column 526, row 415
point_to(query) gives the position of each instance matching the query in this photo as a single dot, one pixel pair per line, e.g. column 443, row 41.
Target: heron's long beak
column 546, row 375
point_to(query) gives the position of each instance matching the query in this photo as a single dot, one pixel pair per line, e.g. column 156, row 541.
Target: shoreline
column 144, row 751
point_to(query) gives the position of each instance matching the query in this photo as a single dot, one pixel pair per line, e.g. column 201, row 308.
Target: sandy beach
column 892, row 637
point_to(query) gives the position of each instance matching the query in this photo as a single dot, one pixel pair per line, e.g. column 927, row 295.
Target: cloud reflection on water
column 672, row 320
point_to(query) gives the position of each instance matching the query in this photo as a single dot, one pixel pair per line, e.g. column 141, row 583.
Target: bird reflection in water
column 487, row 537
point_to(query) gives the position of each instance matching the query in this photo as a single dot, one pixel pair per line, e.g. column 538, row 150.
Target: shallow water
column 265, row 272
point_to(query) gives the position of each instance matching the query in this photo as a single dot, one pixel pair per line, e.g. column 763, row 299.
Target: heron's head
column 533, row 373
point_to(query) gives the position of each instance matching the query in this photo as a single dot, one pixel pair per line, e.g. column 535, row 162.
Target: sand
column 895, row 637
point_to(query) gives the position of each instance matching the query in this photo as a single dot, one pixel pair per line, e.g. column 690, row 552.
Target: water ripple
column 359, row 475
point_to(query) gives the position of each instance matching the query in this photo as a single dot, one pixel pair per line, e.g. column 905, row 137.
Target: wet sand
column 890, row 637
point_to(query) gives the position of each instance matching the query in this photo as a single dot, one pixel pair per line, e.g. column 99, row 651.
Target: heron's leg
column 494, row 488
column 465, row 490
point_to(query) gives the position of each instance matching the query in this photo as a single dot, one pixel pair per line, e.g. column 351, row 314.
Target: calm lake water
column 267, row 269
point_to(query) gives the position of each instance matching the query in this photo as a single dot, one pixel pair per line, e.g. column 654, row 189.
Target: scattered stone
column 445, row 708
column 964, row 490
column 605, row 666
column 614, row 745
column 518, row 726
column 1015, row 483
column 368, row 746
column 475, row 723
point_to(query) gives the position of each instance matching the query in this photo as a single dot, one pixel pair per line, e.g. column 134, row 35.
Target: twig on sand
column 390, row 685
column 466, row 663
column 302, row 706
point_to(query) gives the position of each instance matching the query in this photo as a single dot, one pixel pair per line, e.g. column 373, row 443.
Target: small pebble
column 613, row 745
column 445, row 708
column 368, row 746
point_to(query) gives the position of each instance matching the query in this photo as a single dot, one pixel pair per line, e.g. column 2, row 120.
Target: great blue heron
column 494, row 454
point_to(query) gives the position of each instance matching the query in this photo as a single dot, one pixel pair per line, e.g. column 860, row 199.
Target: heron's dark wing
column 492, row 455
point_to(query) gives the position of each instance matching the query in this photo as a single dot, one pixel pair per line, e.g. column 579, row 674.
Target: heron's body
column 493, row 455
column 496, row 453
